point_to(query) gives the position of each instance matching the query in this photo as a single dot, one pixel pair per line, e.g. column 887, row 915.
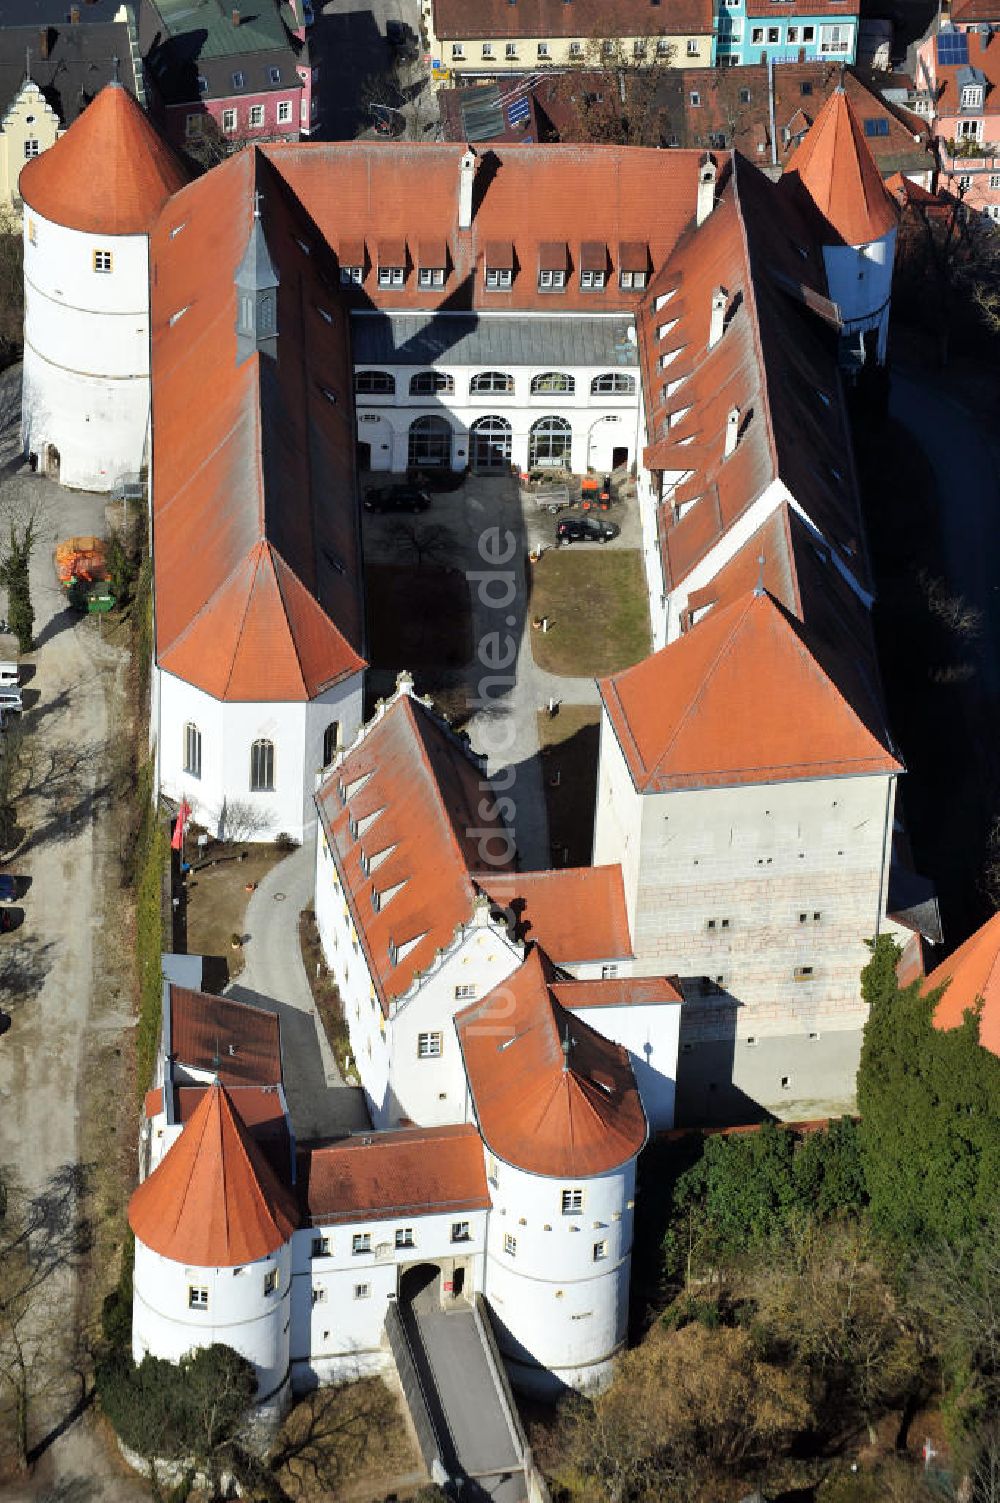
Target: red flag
column 183, row 815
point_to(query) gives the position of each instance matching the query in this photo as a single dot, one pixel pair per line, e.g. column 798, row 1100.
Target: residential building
column 48, row 76
column 961, row 68
column 785, row 31
column 484, row 39
column 241, row 74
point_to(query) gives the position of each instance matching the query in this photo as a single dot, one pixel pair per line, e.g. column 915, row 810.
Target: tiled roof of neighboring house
column 362, row 194
column 741, row 698
column 110, row 175
column 213, row 1201
column 238, row 1043
column 984, row 56
column 551, row 1096
column 80, row 62
column 257, row 556
column 965, row 12
column 971, row 975
column 584, row 19
column 413, row 817
column 56, row 12
column 261, row 1109
column 574, row 913
column 779, row 9
column 184, row 43
column 416, row 1171
column 835, row 167
column 629, row 991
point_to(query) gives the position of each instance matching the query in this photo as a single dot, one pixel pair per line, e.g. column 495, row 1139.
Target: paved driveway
column 348, row 43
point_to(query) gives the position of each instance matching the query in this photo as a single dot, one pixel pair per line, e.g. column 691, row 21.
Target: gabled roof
column 574, row 913
column 553, row 18
column 110, row 174
column 238, row 1043
column 407, row 833
column 971, row 975
column 416, row 1171
column 80, row 62
column 541, row 1107
column 835, row 167
column 213, row 1201
column 740, row 698
column 256, row 550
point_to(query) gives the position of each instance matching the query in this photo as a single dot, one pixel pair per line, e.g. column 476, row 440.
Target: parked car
column 10, row 698
column 9, row 919
column 397, row 498
column 4, row 1022
column 8, row 888
column 585, row 530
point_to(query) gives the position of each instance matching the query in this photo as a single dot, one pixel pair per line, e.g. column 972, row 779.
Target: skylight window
column 877, row 127
column 239, row 82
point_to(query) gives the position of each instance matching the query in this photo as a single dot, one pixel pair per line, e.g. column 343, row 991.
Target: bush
column 192, row 1409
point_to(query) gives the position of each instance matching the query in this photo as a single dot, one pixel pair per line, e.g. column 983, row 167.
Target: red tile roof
column 574, row 913
column 256, row 551
column 583, row 19
column 971, row 975
column 416, row 1171
column 110, row 174
column 523, row 194
column 412, row 815
column 152, row 1103
column 629, row 991
column 238, row 1043
column 538, row 1108
column 261, row 1109
column 213, row 1201
column 984, row 54
column 835, row 167
column 741, row 698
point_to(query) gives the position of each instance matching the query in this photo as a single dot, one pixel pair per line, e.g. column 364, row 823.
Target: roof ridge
column 744, row 605
column 753, row 315
column 258, row 550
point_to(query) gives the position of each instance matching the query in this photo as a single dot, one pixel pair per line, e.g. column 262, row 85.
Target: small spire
column 258, row 199
column 759, row 586
column 27, row 64
column 116, row 70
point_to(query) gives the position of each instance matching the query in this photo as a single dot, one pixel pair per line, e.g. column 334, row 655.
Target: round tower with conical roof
column 90, row 202
column 213, row 1228
column 857, row 221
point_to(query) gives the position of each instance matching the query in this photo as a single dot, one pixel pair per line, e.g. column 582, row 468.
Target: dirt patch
column 569, row 744
column 418, row 617
column 346, row 1442
column 216, row 893
column 325, row 993
column 595, row 602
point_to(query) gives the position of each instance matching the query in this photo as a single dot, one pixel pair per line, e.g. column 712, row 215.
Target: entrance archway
column 492, row 438
column 420, row 1286
column 550, row 443
column 429, row 444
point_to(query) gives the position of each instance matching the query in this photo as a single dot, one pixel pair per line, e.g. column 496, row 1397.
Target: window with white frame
column 663, row 46
column 274, row 75
column 593, row 281
column 487, row 49
column 572, row 1201
column 271, row 1280
column 600, row 1250
column 429, row 1045
column 31, row 148
column 632, row 281
column 756, row 34
column 499, row 277
column 551, row 281
column 510, row 52
column 543, row 50
column 576, row 49
column 375, row 383
column 362, row 1291
column 965, row 182
column 639, row 47
column 510, row 1244
column 793, row 36
column 972, row 97
column 552, row 381
column 970, row 130
column 192, row 750
column 460, row 1231
column 430, row 276
column 809, row 33
column 284, row 112
column 229, row 121
column 238, row 81
column 352, row 274
column 404, row 1236
column 197, row 1297
column 465, row 992
column 391, row 276
column 361, row 1242
column 491, row 381
column 256, row 116
column 613, row 383
column 262, row 766
column 609, row 972
column 692, row 47
column 427, row 383
column 103, row 261
column 318, row 1294
column 457, row 51
column 320, row 1247
column 994, row 181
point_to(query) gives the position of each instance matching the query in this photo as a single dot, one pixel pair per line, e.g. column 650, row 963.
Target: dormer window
column 432, row 263
column 633, row 266
column 239, row 81
column 392, row 263
column 274, row 75
column 352, row 275
column 593, row 266
column 391, row 276
column 351, row 255
column 551, row 281
column 553, row 264
column 499, row 265
column 972, row 97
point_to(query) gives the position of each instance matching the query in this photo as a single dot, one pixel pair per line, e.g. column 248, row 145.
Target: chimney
column 44, row 41
column 718, row 319
column 466, row 179
column 732, row 432
column 706, row 190
column 74, row 15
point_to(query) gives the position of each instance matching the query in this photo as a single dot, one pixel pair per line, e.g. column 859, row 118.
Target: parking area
column 358, row 70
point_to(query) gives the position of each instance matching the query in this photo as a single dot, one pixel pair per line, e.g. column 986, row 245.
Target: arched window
column 550, row 441
column 613, row 383
column 552, row 381
column 426, row 383
column 375, row 383
column 429, row 444
column 492, row 381
column 491, row 440
column 262, row 767
column 192, row 750
column 331, row 742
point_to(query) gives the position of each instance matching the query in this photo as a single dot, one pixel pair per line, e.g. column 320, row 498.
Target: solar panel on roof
column 952, row 48
column 877, row 127
column 518, row 111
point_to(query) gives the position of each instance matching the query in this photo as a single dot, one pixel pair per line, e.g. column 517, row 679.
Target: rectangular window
column 639, row 47
column 318, row 1295
column 576, row 49
column 600, row 1250
column 793, row 36
column 404, row 1236
column 391, row 276
column 510, row 52
column 429, row 1045
column 757, row 34
column 103, row 260
column 256, row 116
column 271, row 1280
column 238, row 80
column 593, row 281
column 609, row 972
column 352, row 274
column 430, row 276
column 229, row 121
column 320, row 1247
column 487, row 50
column 262, row 767
column 197, row 1297
column 543, row 49
column 460, row 1231
column 192, row 751
column 274, row 74
column 774, row 34
column 663, row 47
column 510, row 1244
column 32, row 232
column 192, row 125
column 362, row 1291
column 551, row 281
column 361, row 1242
column 457, row 52
column 465, row 993
column 994, row 185
column 695, row 99
column 692, row 47
column 492, row 1172
column 809, row 35
column 31, row 149
column 284, row 112
column 499, row 278
column 572, row 1201
column 803, row 973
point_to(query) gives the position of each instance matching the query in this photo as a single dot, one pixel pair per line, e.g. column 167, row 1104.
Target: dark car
column 8, row 888
column 397, row 498
column 585, row 530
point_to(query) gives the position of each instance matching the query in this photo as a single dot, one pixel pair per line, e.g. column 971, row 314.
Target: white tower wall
column 238, row 1313
column 560, row 1300
column 860, row 282
column 85, row 407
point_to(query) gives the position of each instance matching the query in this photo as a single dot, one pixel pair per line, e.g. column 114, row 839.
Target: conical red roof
column 741, row 698
column 110, row 174
column 213, row 1201
column 835, row 166
column 970, row 974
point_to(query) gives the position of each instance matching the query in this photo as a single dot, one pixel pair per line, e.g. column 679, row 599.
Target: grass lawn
column 569, row 743
column 217, row 897
column 417, row 617
column 596, row 602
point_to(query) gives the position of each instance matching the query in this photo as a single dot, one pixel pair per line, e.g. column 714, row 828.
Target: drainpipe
column 886, row 837
column 770, row 109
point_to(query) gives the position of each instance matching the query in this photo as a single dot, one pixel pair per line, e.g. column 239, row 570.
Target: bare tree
column 424, row 544
column 615, row 97
column 239, row 819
